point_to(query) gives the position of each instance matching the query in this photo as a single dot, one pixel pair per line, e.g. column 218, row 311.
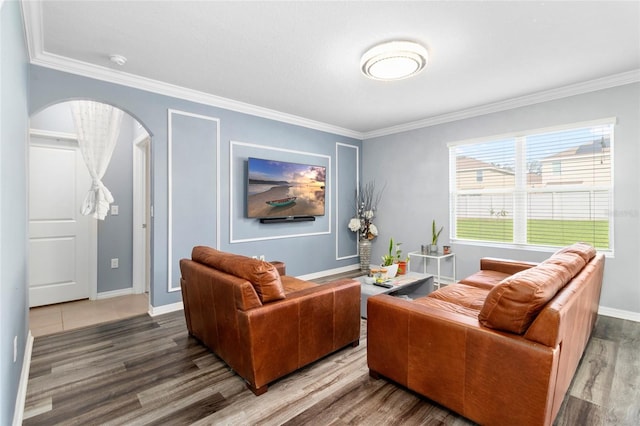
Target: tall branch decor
column 366, row 203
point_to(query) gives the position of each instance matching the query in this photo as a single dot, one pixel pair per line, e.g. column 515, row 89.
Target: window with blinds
column 541, row 188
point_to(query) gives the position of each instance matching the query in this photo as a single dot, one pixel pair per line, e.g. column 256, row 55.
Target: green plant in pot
column 390, row 259
column 435, row 234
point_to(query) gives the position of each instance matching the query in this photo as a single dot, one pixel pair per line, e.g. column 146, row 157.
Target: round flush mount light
column 394, row 60
column 118, row 59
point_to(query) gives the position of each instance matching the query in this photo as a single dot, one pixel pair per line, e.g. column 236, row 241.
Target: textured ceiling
column 301, row 59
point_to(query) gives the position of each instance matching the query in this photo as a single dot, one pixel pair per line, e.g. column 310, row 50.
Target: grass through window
column 539, row 231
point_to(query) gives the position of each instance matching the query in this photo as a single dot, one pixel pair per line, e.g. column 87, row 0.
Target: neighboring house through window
column 547, row 188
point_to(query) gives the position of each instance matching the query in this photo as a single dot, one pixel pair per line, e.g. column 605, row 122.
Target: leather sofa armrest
column 287, row 334
column 280, row 267
column 506, row 266
column 450, row 358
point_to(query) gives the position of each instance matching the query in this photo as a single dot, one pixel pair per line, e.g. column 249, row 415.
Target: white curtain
column 98, row 127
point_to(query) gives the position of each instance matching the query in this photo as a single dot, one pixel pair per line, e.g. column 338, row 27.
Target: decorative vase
column 433, row 249
column 365, row 255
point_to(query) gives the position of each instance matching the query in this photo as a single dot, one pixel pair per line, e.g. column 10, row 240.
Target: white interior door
column 62, row 242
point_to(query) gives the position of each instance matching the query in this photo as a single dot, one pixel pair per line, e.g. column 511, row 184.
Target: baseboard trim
column 619, row 313
column 18, row 413
column 322, row 274
column 114, row 293
column 165, row 309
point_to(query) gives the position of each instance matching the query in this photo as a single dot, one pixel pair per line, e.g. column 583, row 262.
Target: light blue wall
column 56, row 118
column 303, row 255
column 115, row 238
column 415, row 165
column 13, row 204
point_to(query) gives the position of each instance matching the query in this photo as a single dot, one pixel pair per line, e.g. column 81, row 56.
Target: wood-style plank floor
column 146, row 371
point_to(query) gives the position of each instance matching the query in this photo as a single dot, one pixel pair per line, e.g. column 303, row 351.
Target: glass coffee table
column 411, row 285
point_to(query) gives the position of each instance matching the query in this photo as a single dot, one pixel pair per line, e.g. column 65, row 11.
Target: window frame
column 521, row 191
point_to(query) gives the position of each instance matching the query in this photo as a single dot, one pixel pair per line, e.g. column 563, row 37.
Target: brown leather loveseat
column 261, row 322
column 501, row 346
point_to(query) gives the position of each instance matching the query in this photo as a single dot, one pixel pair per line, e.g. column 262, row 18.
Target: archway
column 112, row 271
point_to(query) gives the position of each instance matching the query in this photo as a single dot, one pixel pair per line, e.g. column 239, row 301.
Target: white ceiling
column 299, row 61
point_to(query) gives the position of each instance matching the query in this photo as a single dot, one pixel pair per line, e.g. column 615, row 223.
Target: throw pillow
column 262, row 275
column 514, row 303
column 572, row 262
column 586, row 251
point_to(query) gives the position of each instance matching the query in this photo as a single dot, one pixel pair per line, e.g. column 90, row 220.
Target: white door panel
column 52, row 278
column 59, row 236
column 56, row 260
column 52, row 179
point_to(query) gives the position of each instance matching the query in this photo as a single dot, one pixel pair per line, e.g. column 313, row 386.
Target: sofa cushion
column 262, row 275
column 514, row 303
column 441, row 305
column 293, row 284
column 586, row 251
column 463, row 295
column 485, row 279
column 572, row 262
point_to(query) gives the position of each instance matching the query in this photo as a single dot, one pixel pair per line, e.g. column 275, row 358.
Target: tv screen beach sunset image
column 281, row 189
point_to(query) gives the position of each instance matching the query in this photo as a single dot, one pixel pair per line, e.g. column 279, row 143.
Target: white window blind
column 540, row 188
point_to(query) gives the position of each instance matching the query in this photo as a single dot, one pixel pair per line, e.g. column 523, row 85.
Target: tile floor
column 51, row 319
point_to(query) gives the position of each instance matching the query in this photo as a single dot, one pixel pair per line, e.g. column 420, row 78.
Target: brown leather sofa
column 501, row 346
column 261, row 322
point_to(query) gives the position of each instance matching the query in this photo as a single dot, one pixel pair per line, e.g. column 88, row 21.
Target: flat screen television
column 278, row 189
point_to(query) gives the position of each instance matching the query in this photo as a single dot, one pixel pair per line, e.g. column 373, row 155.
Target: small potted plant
column 389, row 260
column 435, row 234
column 402, row 262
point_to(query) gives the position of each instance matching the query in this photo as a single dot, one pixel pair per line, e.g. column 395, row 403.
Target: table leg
column 454, row 269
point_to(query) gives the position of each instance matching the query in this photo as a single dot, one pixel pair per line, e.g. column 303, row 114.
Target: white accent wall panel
column 193, row 192
column 347, row 179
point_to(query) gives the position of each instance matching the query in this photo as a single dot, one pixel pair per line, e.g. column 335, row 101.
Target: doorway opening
column 74, row 257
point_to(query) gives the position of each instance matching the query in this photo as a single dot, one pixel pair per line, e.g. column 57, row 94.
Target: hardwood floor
column 145, row 371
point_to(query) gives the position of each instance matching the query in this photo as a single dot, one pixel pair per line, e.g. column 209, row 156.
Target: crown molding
column 32, row 13
column 535, row 98
column 95, row 72
column 32, row 16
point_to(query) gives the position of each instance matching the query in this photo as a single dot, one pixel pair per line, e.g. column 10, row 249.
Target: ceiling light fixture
column 118, row 59
column 394, row 60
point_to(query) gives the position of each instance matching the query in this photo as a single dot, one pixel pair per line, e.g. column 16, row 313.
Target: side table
column 439, row 278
